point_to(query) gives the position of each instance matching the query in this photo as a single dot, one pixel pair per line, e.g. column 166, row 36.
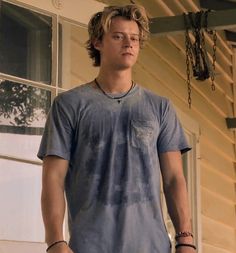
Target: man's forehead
column 121, row 23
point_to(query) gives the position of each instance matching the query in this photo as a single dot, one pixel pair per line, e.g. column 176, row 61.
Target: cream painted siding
column 161, row 68
column 76, row 65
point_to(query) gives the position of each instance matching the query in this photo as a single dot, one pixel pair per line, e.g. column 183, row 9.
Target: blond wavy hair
column 100, row 23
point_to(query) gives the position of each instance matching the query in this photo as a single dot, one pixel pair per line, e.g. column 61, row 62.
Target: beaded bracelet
column 183, row 234
column 54, row 243
column 185, row 245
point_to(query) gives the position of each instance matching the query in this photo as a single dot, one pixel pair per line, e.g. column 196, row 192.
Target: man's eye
column 118, row 37
column 135, row 38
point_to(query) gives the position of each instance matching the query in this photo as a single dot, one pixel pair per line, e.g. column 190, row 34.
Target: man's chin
column 125, row 66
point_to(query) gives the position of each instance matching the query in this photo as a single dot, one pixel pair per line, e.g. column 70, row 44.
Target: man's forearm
column 175, row 190
column 178, row 206
column 53, row 210
column 52, row 198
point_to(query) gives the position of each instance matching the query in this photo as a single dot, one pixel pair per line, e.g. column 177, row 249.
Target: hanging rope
column 196, row 53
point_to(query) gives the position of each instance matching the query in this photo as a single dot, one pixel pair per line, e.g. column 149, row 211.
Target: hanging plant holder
column 196, row 25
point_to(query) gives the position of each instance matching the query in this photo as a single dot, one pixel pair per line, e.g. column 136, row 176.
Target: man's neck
column 115, row 82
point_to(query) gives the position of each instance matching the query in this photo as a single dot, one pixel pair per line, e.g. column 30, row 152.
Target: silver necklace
column 111, row 97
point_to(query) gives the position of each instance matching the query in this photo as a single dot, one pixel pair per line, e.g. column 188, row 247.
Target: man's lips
column 127, row 53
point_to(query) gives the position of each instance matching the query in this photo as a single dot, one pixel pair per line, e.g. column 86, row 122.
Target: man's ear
column 97, row 44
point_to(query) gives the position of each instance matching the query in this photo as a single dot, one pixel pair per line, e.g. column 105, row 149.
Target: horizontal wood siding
column 219, row 209
column 218, row 234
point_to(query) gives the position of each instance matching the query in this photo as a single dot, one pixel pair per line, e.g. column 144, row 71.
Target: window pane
column 23, row 112
column 20, row 212
column 22, row 105
column 25, row 43
column 75, row 65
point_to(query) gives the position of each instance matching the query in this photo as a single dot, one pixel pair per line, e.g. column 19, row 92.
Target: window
column 25, row 99
column 25, row 43
column 25, row 56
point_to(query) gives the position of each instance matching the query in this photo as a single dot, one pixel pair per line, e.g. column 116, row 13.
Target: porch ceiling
column 219, row 5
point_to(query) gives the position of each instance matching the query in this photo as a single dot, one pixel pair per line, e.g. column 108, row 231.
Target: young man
column 105, row 143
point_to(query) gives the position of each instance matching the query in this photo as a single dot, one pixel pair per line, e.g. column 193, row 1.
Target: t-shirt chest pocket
column 142, row 133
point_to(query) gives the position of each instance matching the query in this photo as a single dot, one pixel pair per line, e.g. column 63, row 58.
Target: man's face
column 120, row 46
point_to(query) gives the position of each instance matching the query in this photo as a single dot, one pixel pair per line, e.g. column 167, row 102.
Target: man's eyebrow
column 125, row 33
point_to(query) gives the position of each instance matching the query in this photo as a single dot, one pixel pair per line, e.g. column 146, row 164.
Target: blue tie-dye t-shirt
column 113, row 180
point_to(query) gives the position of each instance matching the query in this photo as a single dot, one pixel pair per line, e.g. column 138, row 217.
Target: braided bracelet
column 54, row 243
column 185, row 245
column 183, row 234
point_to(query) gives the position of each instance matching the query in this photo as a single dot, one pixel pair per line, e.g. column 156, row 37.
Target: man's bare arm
column 175, row 190
column 53, row 201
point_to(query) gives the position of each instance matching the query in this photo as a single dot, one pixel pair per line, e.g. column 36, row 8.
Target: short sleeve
column 58, row 132
column 171, row 136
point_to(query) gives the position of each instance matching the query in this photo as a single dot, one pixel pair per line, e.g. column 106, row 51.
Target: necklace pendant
column 111, row 97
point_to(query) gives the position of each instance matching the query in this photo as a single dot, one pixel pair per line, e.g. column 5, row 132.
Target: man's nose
column 127, row 41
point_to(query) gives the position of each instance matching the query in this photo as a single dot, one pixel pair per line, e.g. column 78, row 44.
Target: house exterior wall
column 161, row 68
